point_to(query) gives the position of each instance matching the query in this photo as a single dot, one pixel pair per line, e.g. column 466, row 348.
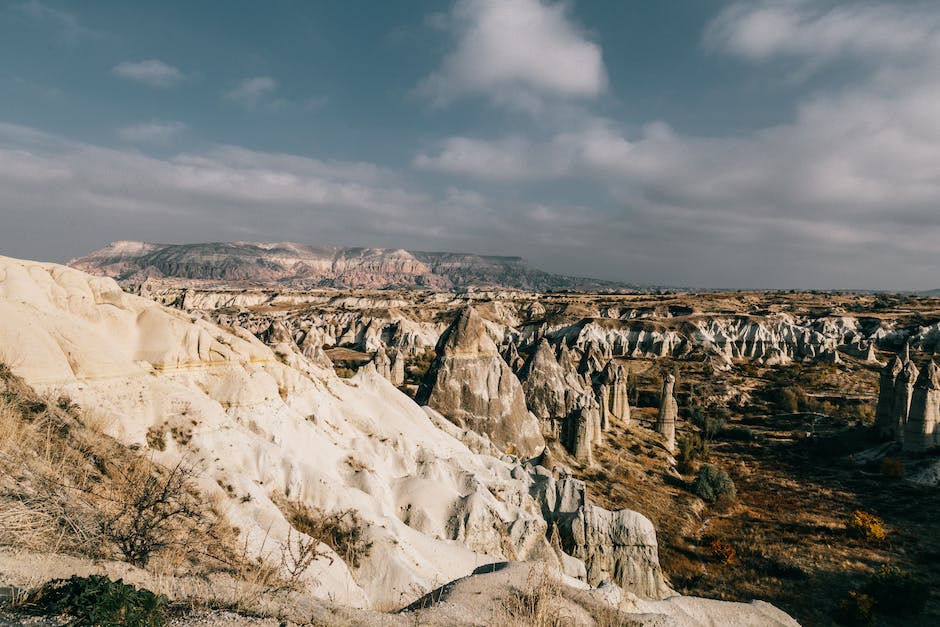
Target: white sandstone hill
column 266, row 431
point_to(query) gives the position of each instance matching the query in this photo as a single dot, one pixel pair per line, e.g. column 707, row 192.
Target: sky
column 721, row 144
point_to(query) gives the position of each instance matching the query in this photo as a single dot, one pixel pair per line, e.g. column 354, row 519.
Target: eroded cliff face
column 412, row 323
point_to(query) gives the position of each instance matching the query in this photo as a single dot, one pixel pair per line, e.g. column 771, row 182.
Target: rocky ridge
column 289, row 263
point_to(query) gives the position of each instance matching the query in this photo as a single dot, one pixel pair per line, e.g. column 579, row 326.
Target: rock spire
column 472, row 386
column 668, row 412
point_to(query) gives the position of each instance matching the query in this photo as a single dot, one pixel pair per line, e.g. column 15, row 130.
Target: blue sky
column 792, row 143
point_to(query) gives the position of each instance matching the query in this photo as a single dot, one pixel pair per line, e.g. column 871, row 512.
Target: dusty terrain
column 226, row 468
column 791, row 424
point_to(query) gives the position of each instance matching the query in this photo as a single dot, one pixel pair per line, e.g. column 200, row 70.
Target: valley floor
column 787, row 530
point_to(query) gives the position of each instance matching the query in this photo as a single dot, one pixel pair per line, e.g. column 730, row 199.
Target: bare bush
column 342, row 531
column 150, row 504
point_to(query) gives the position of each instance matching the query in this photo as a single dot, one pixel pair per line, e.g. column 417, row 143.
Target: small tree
column 691, row 449
column 712, row 484
column 152, row 507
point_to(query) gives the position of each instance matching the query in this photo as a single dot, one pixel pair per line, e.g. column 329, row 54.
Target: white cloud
column 151, row 72
column 251, row 92
column 71, row 28
column 224, row 192
column 852, row 178
column 151, row 132
column 507, row 159
column 817, row 31
column 516, row 52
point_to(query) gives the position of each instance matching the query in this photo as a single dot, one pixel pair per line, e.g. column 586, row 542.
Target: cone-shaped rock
column 921, row 431
column 383, row 364
column 549, row 395
column 398, row 370
column 512, row 357
column 884, row 417
column 611, row 391
column 581, row 429
column 668, row 412
column 903, row 393
column 312, row 348
column 471, row 385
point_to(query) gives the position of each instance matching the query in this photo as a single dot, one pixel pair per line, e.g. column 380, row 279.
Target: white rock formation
column 471, row 385
column 434, row 510
column 922, row 431
column 668, row 413
column 265, row 428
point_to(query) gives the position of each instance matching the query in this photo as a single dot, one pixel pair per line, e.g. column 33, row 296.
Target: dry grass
column 795, row 497
column 343, row 531
column 545, row 602
column 65, row 486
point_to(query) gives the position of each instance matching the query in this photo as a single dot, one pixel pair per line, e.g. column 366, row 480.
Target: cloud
column 505, row 159
column 852, row 177
column 251, row 92
column 151, row 72
column 151, row 132
column 515, row 52
column 71, row 28
column 48, row 183
column 822, row 32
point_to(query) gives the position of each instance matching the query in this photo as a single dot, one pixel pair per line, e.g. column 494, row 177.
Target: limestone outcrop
column 895, row 395
column 611, row 389
column 884, row 412
column 582, row 429
column 615, row 546
column 668, row 413
column 383, row 365
column 432, row 509
column 922, row 431
column 550, row 393
column 903, row 394
column 398, row 370
column 470, row 384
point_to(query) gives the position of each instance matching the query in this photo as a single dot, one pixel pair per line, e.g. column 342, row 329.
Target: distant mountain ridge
column 302, row 265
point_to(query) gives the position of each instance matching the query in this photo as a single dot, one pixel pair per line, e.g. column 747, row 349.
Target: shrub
column 789, row 400
column 710, row 420
column 420, row 365
column 712, row 484
column 97, row 600
column 856, row 609
column 892, row 467
column 341, row 531
column 897, row 592
column 740, row 434
column 152, row 505
column 691, row 449
column 866, row 526
column 721, row 551
column 344, row 373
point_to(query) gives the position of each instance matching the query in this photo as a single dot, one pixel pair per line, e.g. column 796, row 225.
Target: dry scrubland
column 810, row 529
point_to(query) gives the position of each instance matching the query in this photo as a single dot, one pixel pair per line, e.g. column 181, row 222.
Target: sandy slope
column 263, row 428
